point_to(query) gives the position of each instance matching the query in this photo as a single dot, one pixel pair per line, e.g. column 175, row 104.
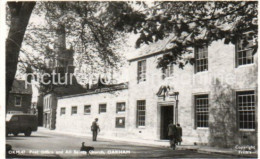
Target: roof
column 151, row 49
column 19, row 87
column 74, row 88
column 105, row 88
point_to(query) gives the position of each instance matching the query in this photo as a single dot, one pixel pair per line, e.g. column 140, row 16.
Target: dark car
column 21, row 123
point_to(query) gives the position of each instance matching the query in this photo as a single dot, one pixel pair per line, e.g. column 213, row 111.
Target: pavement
column 55, row 144
column 162, row 143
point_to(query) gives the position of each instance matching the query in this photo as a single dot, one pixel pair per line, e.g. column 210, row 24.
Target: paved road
column 44, row 144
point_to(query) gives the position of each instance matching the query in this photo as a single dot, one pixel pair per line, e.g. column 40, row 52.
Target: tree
column 20, row 13
column 88, row 27
column 193, row 24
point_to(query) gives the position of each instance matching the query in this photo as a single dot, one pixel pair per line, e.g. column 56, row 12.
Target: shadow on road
column 22, row 136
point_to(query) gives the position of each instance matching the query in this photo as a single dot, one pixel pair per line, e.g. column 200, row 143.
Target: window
column 141, row 113
column 18, row 101
column 246, row 109
column 202, row 110
column 74, row 110
column 87, row 109
column 120, row 107
column 201, row 59
column 102, row 108
column 120, row 122
column 62, row 111
column 244, row 48
column 141, row 71
column 15, row 118
column 168, row 72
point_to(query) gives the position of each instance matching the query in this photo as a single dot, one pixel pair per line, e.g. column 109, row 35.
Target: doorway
column 166, row 117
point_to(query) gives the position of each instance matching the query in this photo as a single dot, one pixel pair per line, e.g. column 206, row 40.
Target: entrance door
column 166, row 117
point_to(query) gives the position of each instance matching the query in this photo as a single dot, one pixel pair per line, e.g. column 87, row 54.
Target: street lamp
column 176, row 96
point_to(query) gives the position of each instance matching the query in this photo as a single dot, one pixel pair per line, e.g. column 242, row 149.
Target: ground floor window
column 74, row 110
column 120, row 107
column 62, row 111
column 140, row 113
column 102, row 108
column 246, row 109
column 120, row 122
column 87, row 109
column 18, row 101
column 202, row 110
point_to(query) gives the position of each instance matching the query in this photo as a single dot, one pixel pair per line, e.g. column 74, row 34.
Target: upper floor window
column 202, row 110
column 102, row 108
column 74, row 110
column 140, row 113
column 244, row 50
column 120, row 107
column 18, row 101
column 246, row 109
column 87, row 109
column 201, row 59
column 62, row 111
column 141, row 71
column 167, row 72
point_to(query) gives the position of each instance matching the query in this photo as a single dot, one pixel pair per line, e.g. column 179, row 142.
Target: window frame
column 196, row 57
column 117, row 105
column 15, row 99
column 99, row 108
column 72, row 113
column 196, row 112
column 88, row 113
column 246, row 92
column 117, row 120
column 141, row 71
column 168, row 72
column 245, row 49
column 61, row 112
column 139, row 122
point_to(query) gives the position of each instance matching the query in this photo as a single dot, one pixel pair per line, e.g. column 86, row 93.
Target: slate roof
column 18, row 87
column 153, row 48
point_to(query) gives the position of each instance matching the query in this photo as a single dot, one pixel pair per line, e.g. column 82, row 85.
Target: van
column 21, row 123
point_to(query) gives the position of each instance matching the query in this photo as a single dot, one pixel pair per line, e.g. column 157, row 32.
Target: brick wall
column 25, row 106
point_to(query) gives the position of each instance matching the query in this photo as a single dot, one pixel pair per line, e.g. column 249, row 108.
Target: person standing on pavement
column 175, row 137
column 170, row 133
column 179, row 137
column 95, row 129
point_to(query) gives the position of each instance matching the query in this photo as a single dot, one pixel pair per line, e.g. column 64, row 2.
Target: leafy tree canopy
column 193, row 24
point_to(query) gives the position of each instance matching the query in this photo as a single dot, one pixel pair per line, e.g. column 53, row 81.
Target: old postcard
column 131, row 79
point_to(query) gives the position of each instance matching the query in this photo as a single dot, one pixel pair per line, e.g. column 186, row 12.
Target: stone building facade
column 76, row 113
column 214, row 100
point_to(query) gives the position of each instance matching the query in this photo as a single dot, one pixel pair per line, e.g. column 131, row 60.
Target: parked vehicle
column 21, row 123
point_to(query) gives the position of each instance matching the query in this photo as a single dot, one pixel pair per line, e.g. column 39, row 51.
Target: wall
column 221, row 67
column 81, row 123
column 26, row 103
column 49, row 109
column 222, row 77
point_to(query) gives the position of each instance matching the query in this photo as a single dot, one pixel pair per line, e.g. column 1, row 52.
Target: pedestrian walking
column 95, row 129
column 179, row 133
